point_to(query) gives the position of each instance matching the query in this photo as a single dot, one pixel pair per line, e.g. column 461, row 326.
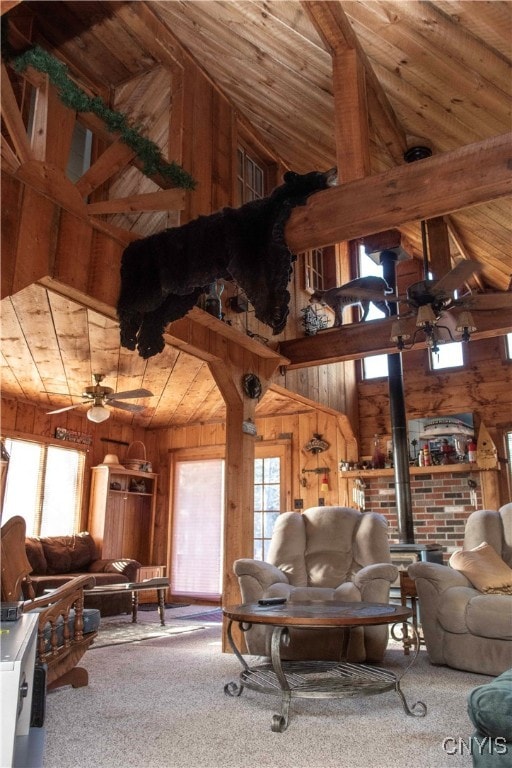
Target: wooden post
column 239, row 477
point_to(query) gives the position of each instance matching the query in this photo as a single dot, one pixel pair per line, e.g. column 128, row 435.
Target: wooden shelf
column 437, row 469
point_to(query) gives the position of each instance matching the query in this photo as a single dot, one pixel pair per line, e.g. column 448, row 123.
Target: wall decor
column 72, row 436
column 444, row 436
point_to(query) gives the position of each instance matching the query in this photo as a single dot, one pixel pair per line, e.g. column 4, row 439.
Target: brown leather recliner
column 324, row 553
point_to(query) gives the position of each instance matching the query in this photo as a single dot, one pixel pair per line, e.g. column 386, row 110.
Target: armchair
column 324, row 553
column 65, row 629
column 463, row 627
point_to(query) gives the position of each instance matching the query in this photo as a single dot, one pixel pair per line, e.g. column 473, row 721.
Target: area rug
column 213, row 616
column 154, row 606
column 120, row 632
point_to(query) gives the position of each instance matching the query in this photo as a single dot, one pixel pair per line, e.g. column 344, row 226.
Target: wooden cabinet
column 122, row 512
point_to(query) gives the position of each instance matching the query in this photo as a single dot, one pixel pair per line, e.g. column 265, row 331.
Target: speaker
column 38, row 697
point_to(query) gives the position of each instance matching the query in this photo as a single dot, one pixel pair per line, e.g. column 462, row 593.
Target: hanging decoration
column 316, row 444
column 75, row 98
column 324, row 487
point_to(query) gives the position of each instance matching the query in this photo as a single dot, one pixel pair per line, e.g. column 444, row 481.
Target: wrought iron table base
column 315, row 679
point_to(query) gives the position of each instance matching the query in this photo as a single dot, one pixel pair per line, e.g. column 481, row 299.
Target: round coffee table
column 316, row 679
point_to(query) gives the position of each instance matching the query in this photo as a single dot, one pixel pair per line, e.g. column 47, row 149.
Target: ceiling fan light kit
column 97, row 414
column 102, row 396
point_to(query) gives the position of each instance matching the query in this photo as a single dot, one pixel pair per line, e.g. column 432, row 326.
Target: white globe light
column 97, row 414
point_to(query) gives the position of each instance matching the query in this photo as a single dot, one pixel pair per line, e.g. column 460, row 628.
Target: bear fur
column 163, row 275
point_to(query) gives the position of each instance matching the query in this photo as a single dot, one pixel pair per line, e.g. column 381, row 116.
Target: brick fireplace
column 442, row 500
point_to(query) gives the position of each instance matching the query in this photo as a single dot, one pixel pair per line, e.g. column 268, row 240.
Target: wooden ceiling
column 438, row 73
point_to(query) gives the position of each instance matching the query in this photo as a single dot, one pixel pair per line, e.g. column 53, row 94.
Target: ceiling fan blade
column 126, row 406
column 486, row 301
column 458, row 275
column 61, row 394
column 67, row 408
column 130, row 393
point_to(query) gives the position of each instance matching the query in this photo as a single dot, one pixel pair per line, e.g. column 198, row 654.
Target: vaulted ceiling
column 438, row 73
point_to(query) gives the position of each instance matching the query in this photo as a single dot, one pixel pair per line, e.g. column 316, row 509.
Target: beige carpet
column 160, row 703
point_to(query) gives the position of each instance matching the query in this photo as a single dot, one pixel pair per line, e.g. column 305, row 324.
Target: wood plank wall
column 483, row 387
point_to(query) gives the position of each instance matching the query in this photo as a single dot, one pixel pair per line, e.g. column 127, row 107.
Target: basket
column 136, row 456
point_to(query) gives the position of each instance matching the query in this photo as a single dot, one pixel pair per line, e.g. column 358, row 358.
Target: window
column 44, row 486
column 319, row 269
column 250, row 177
column 508, row 445
column 376, row 366
column 197, row 531
column 314, row 270
column 267, row 502
column 508, row 339
column 448, row 356
column 271, row 491
column 80, row 153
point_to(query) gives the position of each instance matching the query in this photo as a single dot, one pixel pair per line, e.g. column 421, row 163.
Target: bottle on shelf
column 427, row 458
column 378, row 458
column 471, row 450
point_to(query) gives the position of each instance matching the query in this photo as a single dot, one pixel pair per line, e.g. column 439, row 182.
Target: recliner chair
column 323, row 553
column 463, row 627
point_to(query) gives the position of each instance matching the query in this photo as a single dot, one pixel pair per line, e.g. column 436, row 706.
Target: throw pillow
column 35, row 555
column 484, row 568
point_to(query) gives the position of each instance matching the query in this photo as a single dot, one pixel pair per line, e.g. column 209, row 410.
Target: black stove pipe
column 398, row 419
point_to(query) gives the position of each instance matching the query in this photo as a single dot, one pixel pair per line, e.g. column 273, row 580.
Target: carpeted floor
column 160, row 703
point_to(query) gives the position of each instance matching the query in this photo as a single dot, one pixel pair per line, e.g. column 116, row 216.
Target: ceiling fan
column 99, row 397
column 430, row 301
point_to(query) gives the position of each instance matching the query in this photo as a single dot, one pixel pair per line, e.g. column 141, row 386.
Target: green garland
column 74, row 97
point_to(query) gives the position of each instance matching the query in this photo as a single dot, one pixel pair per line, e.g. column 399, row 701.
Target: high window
column 250, row 177
column 448, row 356
column 375, row 366
column 508, row 339
column 44, row 485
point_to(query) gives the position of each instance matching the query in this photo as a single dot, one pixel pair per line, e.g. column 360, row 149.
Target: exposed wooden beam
column 110, row 162
column 358, row 340
column 476, row 173
column 163, row 200
column 13, row 119
column 335, row 29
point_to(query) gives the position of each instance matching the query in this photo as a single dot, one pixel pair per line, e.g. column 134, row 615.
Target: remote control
column 272, row 601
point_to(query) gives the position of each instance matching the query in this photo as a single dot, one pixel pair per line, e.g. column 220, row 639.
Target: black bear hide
column 163, row 275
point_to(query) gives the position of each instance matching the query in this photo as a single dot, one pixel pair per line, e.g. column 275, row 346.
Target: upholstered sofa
column 490, row 711
column 57, row 559
column 466, row 626
column 323, row 553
